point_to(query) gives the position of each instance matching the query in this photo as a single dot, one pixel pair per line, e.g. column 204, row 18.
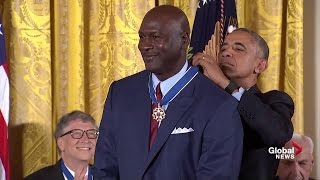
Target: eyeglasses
column 78, row 133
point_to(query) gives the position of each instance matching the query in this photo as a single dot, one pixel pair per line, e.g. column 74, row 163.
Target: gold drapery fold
column 29, row 42
column 65, row 54
column 69, row 52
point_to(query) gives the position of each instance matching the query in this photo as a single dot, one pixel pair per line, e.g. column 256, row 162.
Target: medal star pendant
column 158, row 114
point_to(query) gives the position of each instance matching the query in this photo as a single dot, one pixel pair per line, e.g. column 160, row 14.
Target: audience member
column 76, row 135
column 301, row 166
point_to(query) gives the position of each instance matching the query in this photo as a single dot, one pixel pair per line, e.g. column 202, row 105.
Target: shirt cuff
column 238, row 94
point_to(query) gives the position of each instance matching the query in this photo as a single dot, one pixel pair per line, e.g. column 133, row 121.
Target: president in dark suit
column 168, row 122
column 266, row 117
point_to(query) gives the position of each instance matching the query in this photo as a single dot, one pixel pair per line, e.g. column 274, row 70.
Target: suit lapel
column 175, row 111
column 143, row 109
column 58, row 174
column 139, row 139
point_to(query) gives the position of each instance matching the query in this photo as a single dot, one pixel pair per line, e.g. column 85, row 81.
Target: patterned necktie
column 154, row 124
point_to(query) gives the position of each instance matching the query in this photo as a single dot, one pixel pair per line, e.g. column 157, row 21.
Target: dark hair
column 72, row 116
column 263, row 51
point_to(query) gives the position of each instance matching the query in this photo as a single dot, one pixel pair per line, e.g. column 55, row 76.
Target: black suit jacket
column 266, row 119
column 53, row 172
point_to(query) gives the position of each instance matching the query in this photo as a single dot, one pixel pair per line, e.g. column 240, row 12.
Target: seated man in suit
column 266, row 117
column 76, row 135
column 300, row 167
column 168, row 122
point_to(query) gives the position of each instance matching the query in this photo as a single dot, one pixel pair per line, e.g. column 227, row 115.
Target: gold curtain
column 64, row 54
column 28, row 37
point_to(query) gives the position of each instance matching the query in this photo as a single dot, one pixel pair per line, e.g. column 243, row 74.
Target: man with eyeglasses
column 76, row 135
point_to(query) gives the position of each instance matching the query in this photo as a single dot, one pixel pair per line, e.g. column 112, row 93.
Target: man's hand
column 211, row 69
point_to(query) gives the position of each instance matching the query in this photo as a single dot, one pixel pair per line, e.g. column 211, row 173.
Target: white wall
column 312, row 76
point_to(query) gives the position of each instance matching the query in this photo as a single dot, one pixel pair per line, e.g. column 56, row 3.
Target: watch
column 231, row 87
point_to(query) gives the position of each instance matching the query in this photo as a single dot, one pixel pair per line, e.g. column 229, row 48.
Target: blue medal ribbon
column 68, row 174
column 176, row 89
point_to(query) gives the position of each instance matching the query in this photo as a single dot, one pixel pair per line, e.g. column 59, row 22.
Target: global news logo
column 286, row 153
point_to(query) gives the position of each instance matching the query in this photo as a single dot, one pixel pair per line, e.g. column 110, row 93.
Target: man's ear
column 262, row 66
column 60, row 144
column 185, row 39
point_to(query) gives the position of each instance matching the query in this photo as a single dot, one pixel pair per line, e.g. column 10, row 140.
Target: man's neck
column 177, row 68
column 246, row 83
column 74, row 165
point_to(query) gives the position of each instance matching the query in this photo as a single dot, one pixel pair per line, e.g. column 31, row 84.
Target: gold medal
column 158, row 114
